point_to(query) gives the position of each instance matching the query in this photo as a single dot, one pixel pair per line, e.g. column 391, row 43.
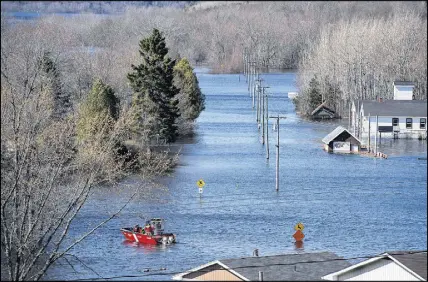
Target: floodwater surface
column 349, row 204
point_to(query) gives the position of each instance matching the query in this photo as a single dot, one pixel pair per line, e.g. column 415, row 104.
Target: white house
column 390, row 266
column 402, row 117
column 403, row 90
column 391, row 118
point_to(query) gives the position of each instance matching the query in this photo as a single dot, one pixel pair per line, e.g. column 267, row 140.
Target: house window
column 409, row 122
column 423, row 123
column 395, row 121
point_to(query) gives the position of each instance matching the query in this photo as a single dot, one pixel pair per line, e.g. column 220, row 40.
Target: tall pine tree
column 51, row 82
column 191, row 99
column 314, row 93
column 154, row 99
column 99, row 110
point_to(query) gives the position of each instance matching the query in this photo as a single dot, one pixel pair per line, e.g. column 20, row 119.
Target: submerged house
column 287, row 267
column 340, row 140
column 390, row 266
column 323, row 112
column 392, row 118
column 402, row 117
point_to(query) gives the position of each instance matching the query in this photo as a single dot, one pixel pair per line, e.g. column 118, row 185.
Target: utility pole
column 258, row 85
column 267, row 123
column 369, row 134
column 264, row 112
column 248, row 70
column 263, row 115
column 255, row 85
column 277, row 150
column 375, row 138
column 244, row 57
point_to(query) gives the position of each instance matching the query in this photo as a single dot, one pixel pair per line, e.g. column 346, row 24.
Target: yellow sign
column 200, row 183
column 299, row 226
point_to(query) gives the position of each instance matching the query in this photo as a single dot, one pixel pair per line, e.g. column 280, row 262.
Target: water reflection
column 144, row 248
column 298, row 246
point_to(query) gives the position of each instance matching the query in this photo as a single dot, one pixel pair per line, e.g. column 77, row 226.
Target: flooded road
column 349, row 204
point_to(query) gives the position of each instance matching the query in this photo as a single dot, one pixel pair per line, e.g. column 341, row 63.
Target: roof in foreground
column 408, row 108
column 336, row 132
column 304, row 266
column 414, row 262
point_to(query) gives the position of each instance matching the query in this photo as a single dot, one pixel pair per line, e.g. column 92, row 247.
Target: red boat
column 152, row 233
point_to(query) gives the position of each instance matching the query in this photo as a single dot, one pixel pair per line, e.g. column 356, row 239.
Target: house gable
column 214, row 272
column 382, row 268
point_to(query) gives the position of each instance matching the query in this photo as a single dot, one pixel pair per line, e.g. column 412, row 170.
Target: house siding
column 381, row 270
column 215, row 275
column 213, row 272
column 415, row 132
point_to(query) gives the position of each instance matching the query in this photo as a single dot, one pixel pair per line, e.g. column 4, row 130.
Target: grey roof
column 336, row 132
column 403, row 83
column 304, row 266
column 416, row 261
column 323, row 105
column 399, row 108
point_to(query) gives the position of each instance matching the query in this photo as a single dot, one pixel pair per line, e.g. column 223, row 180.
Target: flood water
column 349, row 204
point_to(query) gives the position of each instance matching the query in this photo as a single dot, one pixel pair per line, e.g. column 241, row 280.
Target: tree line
column 360, row 59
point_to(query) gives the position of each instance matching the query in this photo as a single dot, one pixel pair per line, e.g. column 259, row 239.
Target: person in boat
column 148, row 229
column 137, row 228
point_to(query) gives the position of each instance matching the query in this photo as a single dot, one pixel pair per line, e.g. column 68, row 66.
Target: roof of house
column 408, row 108
column 304, row 266
column 403, row 83
column 336, row 132
column 323, row 106
column 413, row 261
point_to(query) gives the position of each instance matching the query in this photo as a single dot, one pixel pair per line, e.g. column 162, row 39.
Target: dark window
column 423, row 123
column 395, row 121
column 409, row 122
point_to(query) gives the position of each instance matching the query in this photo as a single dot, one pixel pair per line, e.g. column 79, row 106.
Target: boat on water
column 152, row 233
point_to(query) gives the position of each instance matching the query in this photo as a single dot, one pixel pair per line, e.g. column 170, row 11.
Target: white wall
column 403, row 92
column 387, row 121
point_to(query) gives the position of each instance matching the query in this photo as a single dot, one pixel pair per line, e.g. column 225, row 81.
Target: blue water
column 349, row 204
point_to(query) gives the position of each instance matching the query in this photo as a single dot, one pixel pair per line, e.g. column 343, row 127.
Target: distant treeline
column 100, row 7
column 355, row 48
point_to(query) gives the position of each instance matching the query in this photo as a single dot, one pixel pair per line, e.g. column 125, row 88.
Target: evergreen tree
column 100, row 109
column 314, row 93
column 154, row 99
column 51, row 82
column 191, row 100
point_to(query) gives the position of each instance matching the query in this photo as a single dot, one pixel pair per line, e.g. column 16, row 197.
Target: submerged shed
column 323, row 112
column 340, row 140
